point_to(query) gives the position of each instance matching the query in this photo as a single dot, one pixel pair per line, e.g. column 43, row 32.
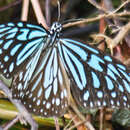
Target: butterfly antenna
column 58, row 3
column 72, row 20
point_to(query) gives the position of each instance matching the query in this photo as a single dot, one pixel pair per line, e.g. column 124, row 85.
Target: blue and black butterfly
column 45, row 67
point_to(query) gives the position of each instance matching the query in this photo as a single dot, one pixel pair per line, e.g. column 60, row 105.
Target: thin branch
column 122, row 33
column 25, row 8
column 19, row 106
column 11, row 123
column 10, row 5
column 122, row 5
column 94, row 3
column 38, row 13
column 110, row 15
column 47, row 12
column 74, row 107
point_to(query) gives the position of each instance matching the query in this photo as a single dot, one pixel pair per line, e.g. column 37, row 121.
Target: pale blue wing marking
column 108, row 58
column 4, row 29
column 80, row 44
column 112, row 67
column 11, row 24
column 15, row 49
column 23, row 36
column 1, row 41
column 94, row 62
column 6, row 58
column 111, row 74
column 7, row 44
column 121, row 88
column 2, row 26
column 109, row 83
column 127, row 86
column 125, row 74
column 36, row 27
column 28, row 50
column 11, row 35
column 68, row 55
column 11, row 67
column 86, row 95
column 96, row 81
column 100, row 94
column 76, row 49
column 35, row 34
column 121, row 66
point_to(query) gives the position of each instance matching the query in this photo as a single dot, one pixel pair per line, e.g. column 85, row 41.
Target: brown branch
column 38, row 13
column 10, row 5
column 109, row 15
column 122, row 33
column 25, row 8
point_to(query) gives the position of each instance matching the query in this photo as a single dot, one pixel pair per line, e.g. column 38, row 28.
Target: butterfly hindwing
column 96, row 79
column 46, row 92
column 18, row 42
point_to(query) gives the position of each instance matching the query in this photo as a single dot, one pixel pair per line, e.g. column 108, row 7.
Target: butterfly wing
column 46, row 93
column 96, row 79
column 18, row 43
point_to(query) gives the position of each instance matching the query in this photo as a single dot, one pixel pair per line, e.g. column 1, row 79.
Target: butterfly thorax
column 54, row 33
column 55, row 28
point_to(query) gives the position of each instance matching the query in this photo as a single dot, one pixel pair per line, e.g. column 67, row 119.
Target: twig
column 10, row 5
column 101, row 118
column 56, row 123
column 19, row 106
column 74, row 126
column 122, row 5
column 11, row 123
column 74, row 107
column 25, row 8
column 38, row 13
column 94, row 3
column 47, row 12
column 122, row 33
column 65, row 128
column 110, row 15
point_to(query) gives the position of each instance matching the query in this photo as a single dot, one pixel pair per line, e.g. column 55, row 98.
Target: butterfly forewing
column 46, row 93
column 96, row 79
column 18, row 43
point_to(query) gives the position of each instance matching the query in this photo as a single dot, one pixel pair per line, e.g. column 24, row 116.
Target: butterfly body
column 46, row 67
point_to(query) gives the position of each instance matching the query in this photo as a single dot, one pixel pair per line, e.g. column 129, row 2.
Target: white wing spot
column 57, row 101
column 48, row 105
column 20, row 86
column 53, row 100
column 98, row 103
column 112, row 102
column 125, row 98
column 44, row 102
column 41, row 110
column 38, row 102
column 91, row 104
column 34, row 99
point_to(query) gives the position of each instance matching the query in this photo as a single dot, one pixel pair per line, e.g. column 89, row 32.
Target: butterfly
column 46, row 67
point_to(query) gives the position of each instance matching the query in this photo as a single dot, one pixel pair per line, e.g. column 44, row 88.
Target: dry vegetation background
column 102, row 23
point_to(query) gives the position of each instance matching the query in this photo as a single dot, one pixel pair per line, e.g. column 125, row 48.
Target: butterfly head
column 56, row 28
